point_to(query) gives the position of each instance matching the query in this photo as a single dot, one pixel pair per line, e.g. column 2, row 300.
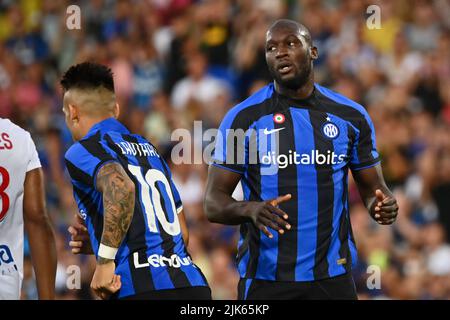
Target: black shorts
column 190, row 293
column 336, row 288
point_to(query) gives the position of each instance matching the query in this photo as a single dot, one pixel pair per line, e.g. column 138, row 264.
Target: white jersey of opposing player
column 17, row 156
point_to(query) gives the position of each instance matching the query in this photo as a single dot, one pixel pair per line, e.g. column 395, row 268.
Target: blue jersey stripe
column 161, row 277
column 243, row 262
column 126, row 279
column 353, row 251
column 93, row 216
column 307, row 199
column 248, row 283
column 82, row 159
column 194, row 276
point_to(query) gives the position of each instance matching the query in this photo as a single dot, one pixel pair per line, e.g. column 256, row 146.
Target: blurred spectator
column 199, row 90
column 401, row 66
column 423, row 33
column 147, row 75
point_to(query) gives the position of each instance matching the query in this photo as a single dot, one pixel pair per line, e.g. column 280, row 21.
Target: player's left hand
column 385, row 208
column 105, row 282
column 79, row 237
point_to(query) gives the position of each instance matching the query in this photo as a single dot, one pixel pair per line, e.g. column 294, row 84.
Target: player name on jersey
column 141, row 149
column 5, row 141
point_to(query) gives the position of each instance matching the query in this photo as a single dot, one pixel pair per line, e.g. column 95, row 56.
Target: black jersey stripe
column 253, row 233
column 78, row 174
column 287, row 243
column 344, row 224
column 243, row 232
column 325, row 196
column 94, row 147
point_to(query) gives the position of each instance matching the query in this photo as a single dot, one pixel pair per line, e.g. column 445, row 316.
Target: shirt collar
column 304, row 100
column 110, row 124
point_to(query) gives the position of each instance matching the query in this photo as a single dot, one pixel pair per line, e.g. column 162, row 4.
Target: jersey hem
column 296, row 281
column 366, row 165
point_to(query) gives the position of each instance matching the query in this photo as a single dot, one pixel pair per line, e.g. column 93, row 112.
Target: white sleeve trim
column 34, row 161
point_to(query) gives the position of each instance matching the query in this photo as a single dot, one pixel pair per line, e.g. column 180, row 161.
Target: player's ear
column 313, row 52
column 116, row 110
column 73, row 113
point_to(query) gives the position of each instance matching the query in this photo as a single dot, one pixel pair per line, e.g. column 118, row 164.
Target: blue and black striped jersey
column 319, row 138
column 153, row 255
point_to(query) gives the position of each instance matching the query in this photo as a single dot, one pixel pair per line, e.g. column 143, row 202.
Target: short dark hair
column 88, row 75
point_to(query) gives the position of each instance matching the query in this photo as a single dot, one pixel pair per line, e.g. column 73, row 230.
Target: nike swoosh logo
column 272, row 131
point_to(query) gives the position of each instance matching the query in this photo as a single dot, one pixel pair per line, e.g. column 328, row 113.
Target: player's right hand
column 79, row 238
column 267, row 214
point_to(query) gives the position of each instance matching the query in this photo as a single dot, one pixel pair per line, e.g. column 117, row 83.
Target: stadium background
column 176, row 61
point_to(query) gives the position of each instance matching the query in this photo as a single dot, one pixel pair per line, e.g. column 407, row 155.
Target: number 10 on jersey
column 151, row 199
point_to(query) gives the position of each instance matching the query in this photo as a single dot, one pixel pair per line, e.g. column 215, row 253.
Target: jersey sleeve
column 33, row 161
column 231, row 145
column 364, row 152
column 84, row 159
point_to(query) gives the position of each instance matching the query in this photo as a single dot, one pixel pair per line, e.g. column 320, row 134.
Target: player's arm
column 118, row 192
column 40, row 234
column 220, row 207
column 376, row 196
column 184, row 228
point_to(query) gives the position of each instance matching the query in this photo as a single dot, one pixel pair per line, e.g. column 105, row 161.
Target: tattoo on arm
column 118, row 203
